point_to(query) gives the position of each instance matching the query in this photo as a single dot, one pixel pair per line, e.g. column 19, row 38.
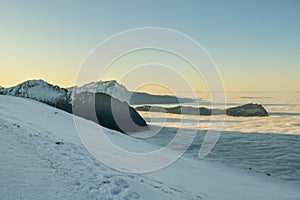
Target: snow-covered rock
column 112, row 88
column 39, row 90
column 119, row 91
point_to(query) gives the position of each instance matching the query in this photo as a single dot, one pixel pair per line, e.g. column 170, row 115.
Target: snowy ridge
column 38, row 90
column 112, row 88
column 44, row 92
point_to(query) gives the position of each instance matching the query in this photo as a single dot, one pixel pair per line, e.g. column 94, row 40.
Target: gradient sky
column 255, row 43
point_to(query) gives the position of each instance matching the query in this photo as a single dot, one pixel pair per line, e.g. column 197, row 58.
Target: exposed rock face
column 108, row 111
column 118, row 91
column 1, row 90
column 248, row 110
column 126, row 119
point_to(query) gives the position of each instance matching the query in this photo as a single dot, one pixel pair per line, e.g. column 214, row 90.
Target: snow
column 42, row 157
column 112, row 88
column 38, row 90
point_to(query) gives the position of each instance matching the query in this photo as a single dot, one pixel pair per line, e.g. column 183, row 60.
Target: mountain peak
column 110, row 87
column 38, row 90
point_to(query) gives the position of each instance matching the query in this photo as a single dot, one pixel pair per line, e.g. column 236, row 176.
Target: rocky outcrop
column 1, row 90
column 248, row 110
column 108, row 111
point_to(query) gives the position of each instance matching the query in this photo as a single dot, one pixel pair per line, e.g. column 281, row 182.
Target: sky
column 255, row 44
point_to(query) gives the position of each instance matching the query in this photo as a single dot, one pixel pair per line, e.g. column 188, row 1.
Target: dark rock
column 59, row 143
column 1, row 90
column 108, row 112
column 248, row 110
column 106, row 182
column 145, row 98
column 176, row 110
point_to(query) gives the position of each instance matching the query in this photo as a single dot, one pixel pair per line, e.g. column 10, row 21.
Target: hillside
column 42, row 157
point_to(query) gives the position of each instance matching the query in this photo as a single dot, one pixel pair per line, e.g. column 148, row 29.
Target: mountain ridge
column 39, row 90
column 246, row 110
column 119, row 91
column 64, row 99
column 110, row 87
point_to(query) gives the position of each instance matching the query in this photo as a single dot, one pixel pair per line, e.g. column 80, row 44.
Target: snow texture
column 112, row 88
column 38, row 90
column 42, row 158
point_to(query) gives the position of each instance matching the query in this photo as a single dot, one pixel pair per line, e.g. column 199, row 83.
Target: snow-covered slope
column 112, row 88
column 38, row 90
column 41, row 157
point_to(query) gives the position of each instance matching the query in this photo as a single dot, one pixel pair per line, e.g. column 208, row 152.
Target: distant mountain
column 112, row 88
column 117, row 90
column 41, row 91
column 61, row 98
column 44, row 92
column 138, row 98
column 247, row 110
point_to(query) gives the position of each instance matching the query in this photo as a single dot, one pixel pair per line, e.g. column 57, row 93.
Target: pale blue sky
column 256, row 44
